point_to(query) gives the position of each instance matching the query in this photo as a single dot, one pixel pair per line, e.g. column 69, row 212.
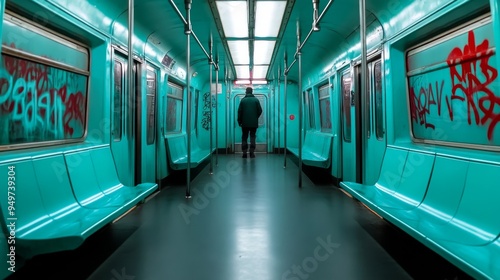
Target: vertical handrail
column 187, row 31
column 362, row 28
column 216, row 112
column 227, row 109
column 301, row 102
column 210, row 61
column 279, row 112
column 285, row 111
column 130, row 76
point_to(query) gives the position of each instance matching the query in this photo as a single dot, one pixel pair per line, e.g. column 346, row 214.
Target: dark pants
column 244, row 137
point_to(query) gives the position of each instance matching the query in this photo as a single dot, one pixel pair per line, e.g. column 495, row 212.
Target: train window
column 117, row 101
column 453, row 87
column 312, row 123
column 195, row 117
column 368, row 97
column 324, row 108
column 346, row 106
column 309, row 107
column 43, row 86
column 379, row 113
column 174, row 108
column 151, row 107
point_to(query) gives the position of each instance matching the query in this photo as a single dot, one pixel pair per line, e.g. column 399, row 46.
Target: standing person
column 248, row 118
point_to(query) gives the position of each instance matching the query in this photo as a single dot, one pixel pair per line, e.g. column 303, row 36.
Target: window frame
column 435, row 40
column 328, row 87
column 171, row 84
column 57, row 37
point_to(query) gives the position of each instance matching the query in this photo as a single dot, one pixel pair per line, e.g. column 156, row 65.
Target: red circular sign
column 292, row 117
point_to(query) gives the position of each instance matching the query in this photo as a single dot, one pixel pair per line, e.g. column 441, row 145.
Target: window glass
column 117, row 101
column 43, row 86
column 195, row 113
column 454, row 89
column 174, row 108
column 311, row 109
column 367, row 109
column 151, row 107
column 346, row 106
column 324, row 109
column 39, row 102
column 379, row 109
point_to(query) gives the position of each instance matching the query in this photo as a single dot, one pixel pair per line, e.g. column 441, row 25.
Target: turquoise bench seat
column 177, row 151
column 452, row 207
column 49, row 217
column 316, row 149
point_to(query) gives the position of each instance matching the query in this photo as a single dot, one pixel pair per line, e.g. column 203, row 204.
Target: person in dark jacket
column 249, row 112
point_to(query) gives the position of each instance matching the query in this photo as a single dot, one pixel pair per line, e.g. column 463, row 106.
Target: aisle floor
column 249, row 220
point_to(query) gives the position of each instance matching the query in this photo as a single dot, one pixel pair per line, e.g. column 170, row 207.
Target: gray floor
column 248, row 220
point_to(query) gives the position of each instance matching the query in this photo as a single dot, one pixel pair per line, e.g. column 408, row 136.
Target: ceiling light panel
column 239, row 52
column 242, row 72
column 268, row 18
column 259, row 72
column 234, row 18
column 263, row 51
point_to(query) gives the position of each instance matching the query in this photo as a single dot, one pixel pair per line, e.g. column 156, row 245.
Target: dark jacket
column 249, row 111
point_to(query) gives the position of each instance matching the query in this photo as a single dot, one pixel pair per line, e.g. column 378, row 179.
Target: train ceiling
column 158, row 23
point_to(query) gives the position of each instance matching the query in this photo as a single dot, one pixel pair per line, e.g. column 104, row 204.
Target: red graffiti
column 471, row 77
column 422, row 104
column 40, row 98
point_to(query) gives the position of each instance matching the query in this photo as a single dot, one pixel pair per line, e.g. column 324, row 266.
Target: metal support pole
column 279, row 111
column 216, row 112
column 227, row 109
column 185, row 22
column 301, row 102
column 285, row 113
column 130, row 68
column 314, row 28
column 210, row 61
column 187, row 31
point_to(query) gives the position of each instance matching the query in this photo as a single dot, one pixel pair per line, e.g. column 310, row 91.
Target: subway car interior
column 375, row 156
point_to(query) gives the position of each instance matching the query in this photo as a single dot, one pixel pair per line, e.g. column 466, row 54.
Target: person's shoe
column 252, row 155
column 244, row 155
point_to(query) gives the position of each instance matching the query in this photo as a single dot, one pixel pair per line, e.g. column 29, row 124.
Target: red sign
column 292, row 117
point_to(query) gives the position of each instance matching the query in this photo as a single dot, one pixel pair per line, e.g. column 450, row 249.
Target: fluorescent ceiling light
column 239, row 52
column 233, row 15
column 242, row 72
column 263, row 51
column 242, row 82
column 259, row 72
column 268, row 18
column 259, row 82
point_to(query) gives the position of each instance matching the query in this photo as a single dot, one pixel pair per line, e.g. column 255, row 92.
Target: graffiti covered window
column 151, row 106
column 43, row 91
column 324, row 109
column 174, row 108
column 454, row 93
column 346, row 106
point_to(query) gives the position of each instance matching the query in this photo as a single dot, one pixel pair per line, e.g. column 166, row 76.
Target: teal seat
column 49, row 219
column 177, row 151
column 107, row 178
column 56, row 212
column 84, row 181
column 316, row 149
column 403, row 180
column 454, row 212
